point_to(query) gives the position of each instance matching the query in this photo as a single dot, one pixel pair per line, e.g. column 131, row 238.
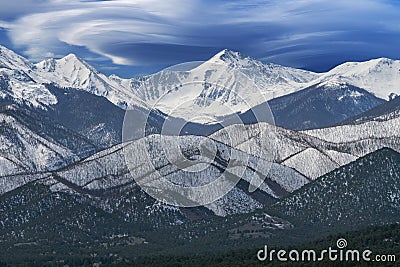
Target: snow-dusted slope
column 384, row 112
column 352, row 133
column 321, row 106
column 114, row 172
column 361, row 193
column 314, row 152
column 11, row 60
column 308, row 153
column 16, row 86
column 23, row 150
column 380, row 77
column 107, row 171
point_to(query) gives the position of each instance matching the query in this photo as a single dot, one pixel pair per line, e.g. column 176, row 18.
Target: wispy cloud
column 140, row 32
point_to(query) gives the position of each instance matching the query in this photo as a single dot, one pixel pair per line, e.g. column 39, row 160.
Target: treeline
column 383, row 240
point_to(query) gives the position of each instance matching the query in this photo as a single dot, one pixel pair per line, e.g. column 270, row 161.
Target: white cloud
column 91, row 24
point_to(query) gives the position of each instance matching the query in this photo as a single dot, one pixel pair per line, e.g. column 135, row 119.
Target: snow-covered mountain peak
column 73, row 72
column 380, row 76
column 228, row 57
column 72, row 60
column 237, row 60
column 68, row 71
column 369, row 66
column 229, row 79
column 71, row 56
column 382, row 61
column 226, row 83
column 25, row 81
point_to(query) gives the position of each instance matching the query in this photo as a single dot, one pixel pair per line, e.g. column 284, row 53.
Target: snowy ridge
column 297, row 157
column 18, row 81
column 115, row 172
column 11, row 60
column 227, row 83
column 381, row 127
column 363, row 192
column 16, row 88
column 229, row 74
column 31, row 143
column 380, row 76
column 272, row 79
column 24, row 82
column 72, row 72
column 107, row 171
column 315, row 152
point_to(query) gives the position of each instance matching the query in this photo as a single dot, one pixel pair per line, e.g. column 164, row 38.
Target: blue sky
column 133, row 37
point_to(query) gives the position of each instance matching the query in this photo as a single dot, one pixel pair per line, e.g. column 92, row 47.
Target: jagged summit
column 236, row 59
column 47, row 64
column 227, row 56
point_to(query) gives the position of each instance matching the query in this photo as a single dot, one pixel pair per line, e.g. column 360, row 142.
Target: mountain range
column 228, row 83
column 324, row 155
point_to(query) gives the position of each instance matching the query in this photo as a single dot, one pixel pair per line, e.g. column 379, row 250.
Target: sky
column 135, row 37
